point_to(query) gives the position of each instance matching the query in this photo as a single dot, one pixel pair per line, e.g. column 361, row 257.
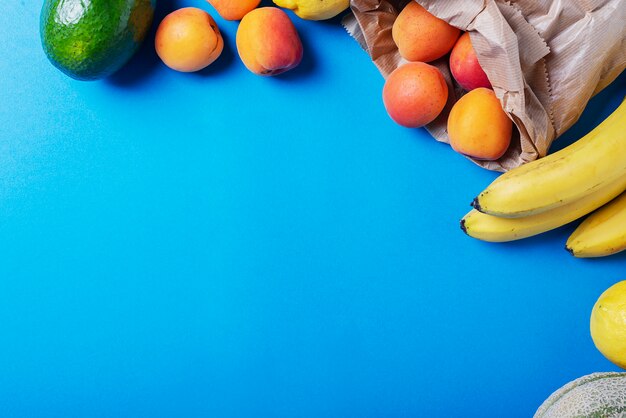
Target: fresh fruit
column 421, row 36
column 465, row 67
column 603, row 233
column 234, row 9
column 268, row 42
column 596, row 160
column 598, row 395
column 89, row 40
column 415, row 94
column 478, row 127
column 315, row 9
column 495, row 229
column 188, row 40
column 608, row 324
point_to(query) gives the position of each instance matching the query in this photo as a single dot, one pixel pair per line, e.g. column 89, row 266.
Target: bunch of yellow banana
column 560, row 188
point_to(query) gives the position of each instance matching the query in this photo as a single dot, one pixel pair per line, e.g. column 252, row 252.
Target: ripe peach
column 234, row 9
column 188, row 40
column 478, row 127
column 415, row 94
column 421, row 36
column 465, row 66
column 268, row 42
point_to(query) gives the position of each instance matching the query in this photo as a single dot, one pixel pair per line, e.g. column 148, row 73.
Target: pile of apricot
column 189, row 40
column 416, row 93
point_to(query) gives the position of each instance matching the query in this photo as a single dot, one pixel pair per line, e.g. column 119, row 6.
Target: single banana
column 594, row 161
column 495, row 229
column 602, row 233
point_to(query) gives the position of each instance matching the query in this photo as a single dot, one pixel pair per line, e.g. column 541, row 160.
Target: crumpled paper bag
column 544, row 58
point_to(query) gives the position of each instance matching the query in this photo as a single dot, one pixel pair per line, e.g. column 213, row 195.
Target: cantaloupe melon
column 598, row 395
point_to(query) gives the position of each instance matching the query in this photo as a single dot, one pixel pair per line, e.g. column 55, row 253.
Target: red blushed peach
column 465, row 67
column 415, row 94
column 268, row 43
column 421, row 36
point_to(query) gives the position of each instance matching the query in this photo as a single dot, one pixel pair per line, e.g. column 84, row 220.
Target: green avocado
column 92, row 39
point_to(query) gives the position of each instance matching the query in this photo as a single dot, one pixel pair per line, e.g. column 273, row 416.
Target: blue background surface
column 221, row 244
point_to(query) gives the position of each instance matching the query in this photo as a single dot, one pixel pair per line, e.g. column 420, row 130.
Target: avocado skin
column 92, row 39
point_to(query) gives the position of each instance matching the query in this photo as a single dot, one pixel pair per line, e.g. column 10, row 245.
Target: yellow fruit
column 608, row 324
column 315, row 9
column 597, row 159
column 495, row 229
column 602, row 233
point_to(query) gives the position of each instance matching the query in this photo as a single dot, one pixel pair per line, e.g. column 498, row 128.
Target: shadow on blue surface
column 307, row 65
column 146, row 61
column 226, row 59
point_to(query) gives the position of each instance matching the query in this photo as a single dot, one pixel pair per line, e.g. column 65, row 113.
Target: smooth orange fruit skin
column 188, row 40
column 234, row 9
column 421, row 36
column 268, row 42
column 415, row 94
column 478, row 127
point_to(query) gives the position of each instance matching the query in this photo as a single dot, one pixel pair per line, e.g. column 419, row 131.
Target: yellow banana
column 594, row 161
column 314, row 9
column 602, row 233
column 495, row 229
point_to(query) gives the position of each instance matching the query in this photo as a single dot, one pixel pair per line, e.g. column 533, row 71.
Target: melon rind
column 598, row 395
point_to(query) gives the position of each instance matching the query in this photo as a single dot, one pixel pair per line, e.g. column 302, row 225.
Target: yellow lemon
column 608, row 324
column 315, row 9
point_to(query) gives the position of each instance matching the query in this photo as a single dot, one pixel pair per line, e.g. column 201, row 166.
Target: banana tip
column 476, row 204
column 463, row 228
column 569, row 250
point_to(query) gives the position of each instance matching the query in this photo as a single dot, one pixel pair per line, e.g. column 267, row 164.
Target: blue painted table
column 220, row 244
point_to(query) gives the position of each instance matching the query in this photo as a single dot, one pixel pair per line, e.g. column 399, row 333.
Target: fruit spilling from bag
column 416, row 93
column 560, row 188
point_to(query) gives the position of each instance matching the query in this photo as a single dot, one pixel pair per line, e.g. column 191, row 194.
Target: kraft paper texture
column 545, row 59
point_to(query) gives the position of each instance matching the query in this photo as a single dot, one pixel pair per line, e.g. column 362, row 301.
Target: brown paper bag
column 544, row 58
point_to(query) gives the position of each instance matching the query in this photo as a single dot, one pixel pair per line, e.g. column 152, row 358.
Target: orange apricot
column 421, row 36
column 188, row 40
column 268, row 42
column 234, row 9
column 415, row 94
column 478, row 127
